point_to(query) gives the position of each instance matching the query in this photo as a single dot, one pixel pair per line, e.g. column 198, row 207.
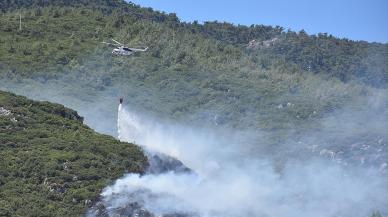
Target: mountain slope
column 192, row 71
column 67, row 25
column 287, row 84
column 53, row 165
column 258, row 77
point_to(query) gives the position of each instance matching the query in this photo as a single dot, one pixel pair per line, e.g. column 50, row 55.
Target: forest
column 217, row 74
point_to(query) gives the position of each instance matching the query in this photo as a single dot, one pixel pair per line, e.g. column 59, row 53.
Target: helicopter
column 123, row 50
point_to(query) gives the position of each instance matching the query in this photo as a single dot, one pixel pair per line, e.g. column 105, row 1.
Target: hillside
column 259, row 78
column 68, row 30
column 293, row 97
column 51, row 163
column 192, row 71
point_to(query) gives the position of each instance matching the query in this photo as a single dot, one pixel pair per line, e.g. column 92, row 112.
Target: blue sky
column 355, row 19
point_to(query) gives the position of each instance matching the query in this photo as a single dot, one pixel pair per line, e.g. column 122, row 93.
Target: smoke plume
column 224, row 182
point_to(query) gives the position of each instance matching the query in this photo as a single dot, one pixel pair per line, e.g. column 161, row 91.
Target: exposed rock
column 312, row 148
column 254, row 44
column 369, row 153
column 87, row 202
column 45, row 182
column 327, row 153
column 158, row 163
column 5, row 112
column 66, row 165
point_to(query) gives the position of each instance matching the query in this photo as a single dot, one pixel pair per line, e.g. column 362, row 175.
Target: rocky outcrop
column 255, row 44
column 158, row 164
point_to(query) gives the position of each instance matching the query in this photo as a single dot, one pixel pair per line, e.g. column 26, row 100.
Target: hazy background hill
column 216, row 74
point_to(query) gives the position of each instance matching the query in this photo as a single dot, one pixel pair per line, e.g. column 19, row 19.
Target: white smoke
column 227, row 184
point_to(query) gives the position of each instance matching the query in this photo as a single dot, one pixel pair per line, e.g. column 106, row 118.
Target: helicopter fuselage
column 122, row 51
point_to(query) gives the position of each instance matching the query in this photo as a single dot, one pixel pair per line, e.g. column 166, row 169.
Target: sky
column 354, row 19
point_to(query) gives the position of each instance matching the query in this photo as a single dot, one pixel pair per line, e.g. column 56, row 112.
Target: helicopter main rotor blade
column 108, row 43
column 117, row 42
column 137, row 49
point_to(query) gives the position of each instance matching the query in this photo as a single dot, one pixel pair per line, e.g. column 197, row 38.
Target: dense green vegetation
column 211, row 73
column 53, row 165
column 194, row 71
column 62, row 25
